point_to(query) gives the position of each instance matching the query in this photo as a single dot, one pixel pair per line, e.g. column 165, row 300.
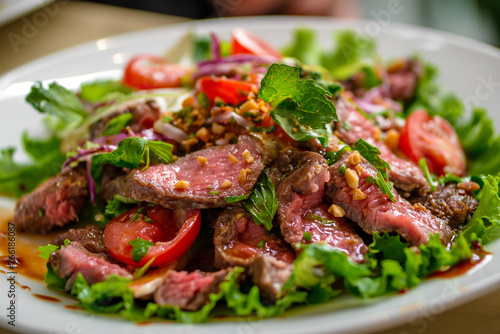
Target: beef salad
column 254, row 179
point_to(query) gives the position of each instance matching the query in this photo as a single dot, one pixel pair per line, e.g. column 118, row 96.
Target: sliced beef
column 90, row 237
column 450, row 203
column 112, row 182
column 376, row 212
column 209, row 183
column 54, row 203
column 270, row 274
column 239, row 240
column 144, row 114
column 74, row 258
column 267, row 258
column 403, row 78
column 189, row 291
column 404, row 173
column 302, row 210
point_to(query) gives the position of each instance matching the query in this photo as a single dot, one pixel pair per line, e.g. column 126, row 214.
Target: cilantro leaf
column 131, row 153
column 117, row 124
column 140, row 248
column 372, row 154
column 64, row 108
column 263, row 203
column 46, row 250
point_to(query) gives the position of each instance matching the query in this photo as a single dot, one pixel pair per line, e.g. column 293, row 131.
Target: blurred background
column 30, row 29
column 478, row 19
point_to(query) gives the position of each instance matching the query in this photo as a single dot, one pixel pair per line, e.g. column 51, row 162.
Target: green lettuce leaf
column 47, row 159
column 103, row 90
column 305, row 47
column 64, row 108
column 118, row 205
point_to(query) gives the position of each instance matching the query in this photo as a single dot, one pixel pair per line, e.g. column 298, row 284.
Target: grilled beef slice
column 189, row 291
column 404, row 173
column 403, row 79
column 239, row 241
column 144, row 114
column 90, row 237
column 376, row 212
column 450, row 203
column 157, row 184
column 54, row 203
column 74, row 258
column 300, row 197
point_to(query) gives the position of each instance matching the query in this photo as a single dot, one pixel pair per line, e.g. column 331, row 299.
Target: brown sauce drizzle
column 46, row 298
column 74, row 307
column 462, row 267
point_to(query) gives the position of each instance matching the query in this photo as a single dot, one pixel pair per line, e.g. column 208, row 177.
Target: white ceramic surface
column 12, row 9
column 468, row 68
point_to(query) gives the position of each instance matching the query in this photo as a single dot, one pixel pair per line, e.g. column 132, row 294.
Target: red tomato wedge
column 149, row 72
column 434, row 139
column 172, row 232
column 244, row 41
column 228, row 90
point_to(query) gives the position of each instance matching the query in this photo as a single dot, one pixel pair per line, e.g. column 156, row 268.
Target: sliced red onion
column 92, row 190
column 226, row 118
column 215, row 47
column 370, row 107
column 84, row 153
column 240, row 58
column 169, row 131
column 110, row 140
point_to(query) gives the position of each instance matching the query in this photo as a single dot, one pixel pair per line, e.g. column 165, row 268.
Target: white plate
column 12, row 9
column 467, row 67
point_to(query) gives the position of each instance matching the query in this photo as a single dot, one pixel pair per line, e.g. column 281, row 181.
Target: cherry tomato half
column 244, row 41
column 171, row 231
column 228, row 90
column 434, row 139
column 149, row 72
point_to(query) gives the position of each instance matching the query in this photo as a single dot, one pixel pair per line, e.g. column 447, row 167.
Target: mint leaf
column 263, row 203
column 279, row 83
column 131, row 153
column 140, row 248
column 372, row 154
column 117, row 124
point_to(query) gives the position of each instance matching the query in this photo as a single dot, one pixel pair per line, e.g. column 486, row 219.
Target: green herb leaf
column 64, row 108
column 104, row 297
column 384, row 186
column 279, row 83
column 319, row 219
column 423, row 166
column 262, row 203
column 233, row 199
column 203, row 99
column 103, row 90
column 46, row 250
column 372, row 154
column 117, row 124
column 307, row 236
column 118, row 205
column 131, row 153
column 332, row 157
column 47, row 159
column 140, row 248
column 305, row 47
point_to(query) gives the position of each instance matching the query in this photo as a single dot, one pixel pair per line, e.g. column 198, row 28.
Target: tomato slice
column 244, row 41
column 434, row 139
column 172, row 232
column 149, row 72
column 228, row 90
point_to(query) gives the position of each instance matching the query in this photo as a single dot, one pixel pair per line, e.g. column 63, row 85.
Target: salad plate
column 467, row 68
column 12, row 9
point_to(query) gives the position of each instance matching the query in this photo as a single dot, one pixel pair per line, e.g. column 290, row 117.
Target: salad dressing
column 28, row 263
